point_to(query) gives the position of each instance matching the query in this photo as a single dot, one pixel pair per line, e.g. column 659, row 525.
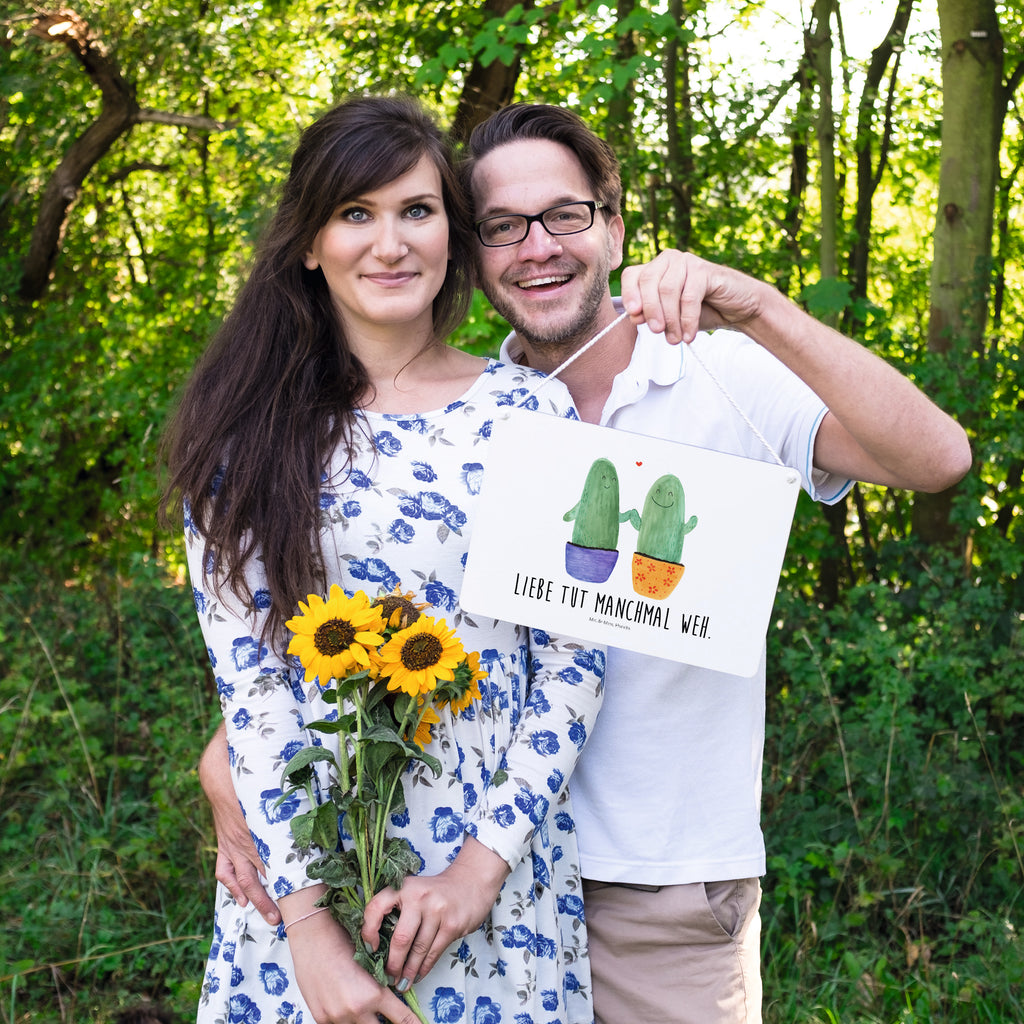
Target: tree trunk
column 487, row 89
column 819, row 55
column 869, row 170
column 679, row 132
column 973, row 104
column 619, row 130
column 972, row 116
column 117, row 115
column 818, row 46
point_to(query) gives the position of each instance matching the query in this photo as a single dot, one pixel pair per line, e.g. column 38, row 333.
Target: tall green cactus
column 664, row 523
column 596, row 514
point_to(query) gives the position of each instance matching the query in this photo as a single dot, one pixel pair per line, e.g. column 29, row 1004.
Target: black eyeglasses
column 564, row 219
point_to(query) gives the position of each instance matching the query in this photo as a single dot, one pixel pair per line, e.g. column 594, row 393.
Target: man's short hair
column 520, row 121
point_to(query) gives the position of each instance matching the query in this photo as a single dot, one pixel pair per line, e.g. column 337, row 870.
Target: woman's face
column 385, row 254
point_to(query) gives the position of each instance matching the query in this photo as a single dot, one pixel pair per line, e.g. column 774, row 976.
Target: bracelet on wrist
column 305, row 917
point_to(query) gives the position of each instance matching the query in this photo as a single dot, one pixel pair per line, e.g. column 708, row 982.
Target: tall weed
column 894, row 804
column 106, row 883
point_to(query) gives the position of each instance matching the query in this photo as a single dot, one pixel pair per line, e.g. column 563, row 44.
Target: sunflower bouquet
column 389, row 669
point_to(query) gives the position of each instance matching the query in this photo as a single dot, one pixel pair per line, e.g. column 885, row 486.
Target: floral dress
column 402, row 516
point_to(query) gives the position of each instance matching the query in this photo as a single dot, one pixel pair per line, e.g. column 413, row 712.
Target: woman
column 329, row 435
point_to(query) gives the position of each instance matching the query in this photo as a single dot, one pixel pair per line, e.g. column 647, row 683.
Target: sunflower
column 399, row 609
column 472, row 692
column 423, row 734
column 332, row 636
column 417, row 657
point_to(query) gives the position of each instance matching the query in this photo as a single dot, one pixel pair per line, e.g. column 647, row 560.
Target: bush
column 107, row 884
column 893, row 802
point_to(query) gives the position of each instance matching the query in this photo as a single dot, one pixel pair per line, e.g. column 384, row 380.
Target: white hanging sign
column 629, row 541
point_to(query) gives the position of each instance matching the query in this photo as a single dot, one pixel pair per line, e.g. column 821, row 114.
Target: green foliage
column 893, row 802
column 107, row 866
column 893, row 782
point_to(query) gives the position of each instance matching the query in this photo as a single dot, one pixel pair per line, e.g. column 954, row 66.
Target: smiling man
column 667, row 794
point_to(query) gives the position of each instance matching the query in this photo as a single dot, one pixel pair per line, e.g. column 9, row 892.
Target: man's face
column 552, row 289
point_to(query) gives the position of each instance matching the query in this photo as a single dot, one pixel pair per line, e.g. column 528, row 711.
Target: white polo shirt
column 668, row 789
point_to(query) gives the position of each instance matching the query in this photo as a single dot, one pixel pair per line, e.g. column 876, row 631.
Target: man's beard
column 569, row 335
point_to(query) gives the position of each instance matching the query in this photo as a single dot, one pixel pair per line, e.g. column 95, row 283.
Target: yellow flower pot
column 654, row 578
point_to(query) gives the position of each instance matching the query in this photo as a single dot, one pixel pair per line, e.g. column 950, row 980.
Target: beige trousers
column 675, row 954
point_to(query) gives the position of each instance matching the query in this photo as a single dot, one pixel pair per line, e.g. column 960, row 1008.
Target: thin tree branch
column 206, row 124
column 119, row 112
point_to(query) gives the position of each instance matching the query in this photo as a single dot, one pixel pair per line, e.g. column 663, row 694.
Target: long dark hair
column 274, row 394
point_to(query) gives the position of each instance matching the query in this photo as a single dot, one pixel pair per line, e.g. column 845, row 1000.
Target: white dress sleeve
column 565, row 691
column 264, row 708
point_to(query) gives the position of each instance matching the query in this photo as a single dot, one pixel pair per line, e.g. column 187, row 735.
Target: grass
column 107, row 881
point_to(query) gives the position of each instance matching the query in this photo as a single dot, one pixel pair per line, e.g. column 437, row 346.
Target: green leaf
column 299, row 769
column 303, row 826
column 381, row 732
column 827, row 298
column 325, row 826
column 381, row 757
column 350, row 684
column 398, row 861
column 429, row 760
column 342, row 799
column 372, row 963
column 497, row 52
column 339, row 869
column 453, row 55
column 377, row 701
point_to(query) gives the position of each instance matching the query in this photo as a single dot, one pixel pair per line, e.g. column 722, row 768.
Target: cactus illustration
column 592, row 552
column 662, row 526
column 657, row 564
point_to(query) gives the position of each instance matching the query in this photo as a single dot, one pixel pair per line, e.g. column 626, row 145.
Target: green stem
column 414, row 1004
column 310, row 795
column 411, row 720
column 344, row 766
column 380, row 832
column 360, row 834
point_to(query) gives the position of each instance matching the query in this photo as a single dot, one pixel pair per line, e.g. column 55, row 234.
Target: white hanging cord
column 693, row 352
column 558, row 369
column 732, row 401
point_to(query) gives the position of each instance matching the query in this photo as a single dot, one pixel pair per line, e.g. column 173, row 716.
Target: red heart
column 639, row 463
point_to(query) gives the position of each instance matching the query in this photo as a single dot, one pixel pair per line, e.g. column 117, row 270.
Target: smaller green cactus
column 596, row 514
column 664, row 523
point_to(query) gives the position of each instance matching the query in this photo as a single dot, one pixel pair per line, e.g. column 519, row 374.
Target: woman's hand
column 336, row 989
column 435, row 910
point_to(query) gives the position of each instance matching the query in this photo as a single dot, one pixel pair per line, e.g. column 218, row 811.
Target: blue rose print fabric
column 401, row 514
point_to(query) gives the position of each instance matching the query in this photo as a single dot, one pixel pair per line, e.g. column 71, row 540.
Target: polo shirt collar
column 654, row 361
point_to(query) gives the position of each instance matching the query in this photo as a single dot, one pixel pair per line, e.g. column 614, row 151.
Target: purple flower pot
column 593, row 565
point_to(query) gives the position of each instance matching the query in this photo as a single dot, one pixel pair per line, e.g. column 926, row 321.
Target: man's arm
column 238, row 864
column 880, row 428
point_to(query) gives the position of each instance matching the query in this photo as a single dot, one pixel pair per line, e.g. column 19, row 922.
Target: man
column 667, row 792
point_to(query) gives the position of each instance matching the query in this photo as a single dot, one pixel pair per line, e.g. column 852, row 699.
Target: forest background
column 866, row 158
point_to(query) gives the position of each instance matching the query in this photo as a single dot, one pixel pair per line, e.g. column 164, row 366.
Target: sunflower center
column 391, row 603
column 334, row 636
column 421, row 651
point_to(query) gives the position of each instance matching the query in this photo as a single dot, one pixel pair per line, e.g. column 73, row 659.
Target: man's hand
column 238, row 864
column 435, row 910
column 879, row 428
column 678, row 293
